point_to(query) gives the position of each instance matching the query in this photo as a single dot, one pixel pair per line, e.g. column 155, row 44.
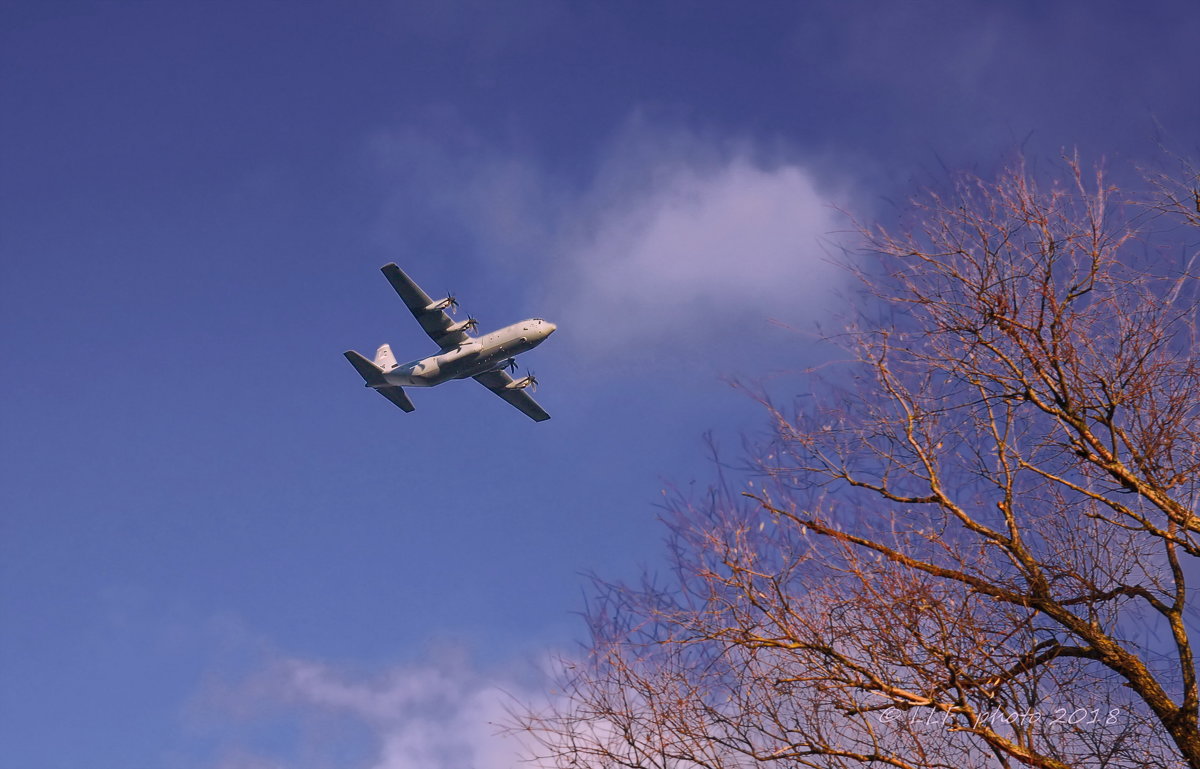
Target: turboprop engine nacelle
column 521, row 384
column 463, row 325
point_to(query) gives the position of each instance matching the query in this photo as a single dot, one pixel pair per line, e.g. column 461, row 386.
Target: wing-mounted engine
column 524, row 382
column 449, row 303
column 470, row 324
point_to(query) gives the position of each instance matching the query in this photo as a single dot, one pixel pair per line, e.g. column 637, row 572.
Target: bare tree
column 969, row 548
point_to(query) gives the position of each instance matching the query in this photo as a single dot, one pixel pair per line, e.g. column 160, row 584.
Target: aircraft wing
column 498, row 381
column 436, row 323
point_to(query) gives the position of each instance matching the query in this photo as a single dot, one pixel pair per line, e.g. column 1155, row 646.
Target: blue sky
column 217, row 550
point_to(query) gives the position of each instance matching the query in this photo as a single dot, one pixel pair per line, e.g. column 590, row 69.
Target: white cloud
column 673, row 234
column 700, row 245
column 442, row 715
column 426, row 717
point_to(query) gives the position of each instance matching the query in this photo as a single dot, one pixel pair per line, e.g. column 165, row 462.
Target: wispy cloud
column 671, row 233
column 442, row 715
column 683, row 238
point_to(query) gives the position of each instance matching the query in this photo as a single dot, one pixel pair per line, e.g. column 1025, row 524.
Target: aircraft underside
column 435, row 370
column 463, row 356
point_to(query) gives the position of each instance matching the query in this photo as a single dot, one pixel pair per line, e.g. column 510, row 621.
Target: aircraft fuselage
column 475, row 356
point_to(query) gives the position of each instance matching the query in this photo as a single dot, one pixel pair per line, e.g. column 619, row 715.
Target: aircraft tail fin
column 370, row 373
column 384, row 358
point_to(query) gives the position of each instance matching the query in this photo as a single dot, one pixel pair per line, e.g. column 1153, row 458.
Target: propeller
column 449, row 303
column 529, row 381
column 462, row 326
column 510, row 364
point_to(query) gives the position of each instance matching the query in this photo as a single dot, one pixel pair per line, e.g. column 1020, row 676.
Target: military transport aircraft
column 484, row 358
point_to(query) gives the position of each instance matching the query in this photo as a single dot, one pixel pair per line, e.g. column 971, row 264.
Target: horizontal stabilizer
column 398, row 396
column 366, row 369
column 374, row 378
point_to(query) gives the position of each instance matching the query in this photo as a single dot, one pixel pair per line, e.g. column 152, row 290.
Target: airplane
column 486, row 359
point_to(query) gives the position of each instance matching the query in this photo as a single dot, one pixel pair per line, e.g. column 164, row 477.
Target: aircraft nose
column 550, row 327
